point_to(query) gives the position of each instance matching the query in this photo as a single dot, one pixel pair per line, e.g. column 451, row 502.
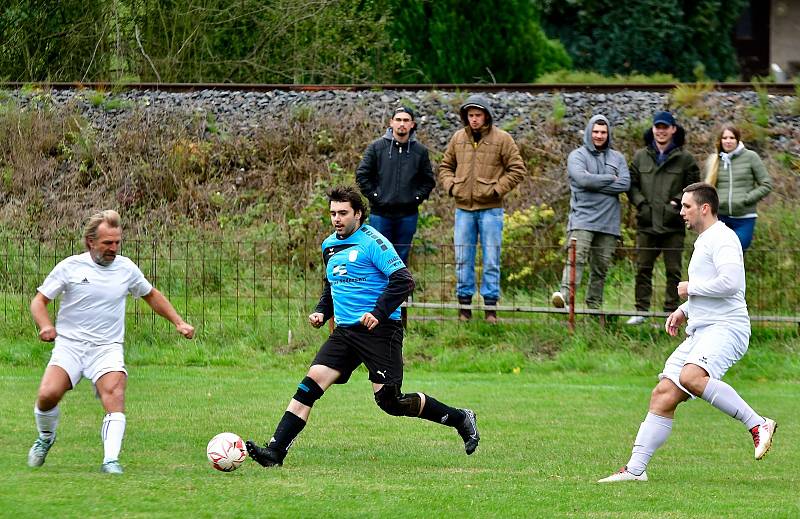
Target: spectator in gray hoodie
column 597, row 175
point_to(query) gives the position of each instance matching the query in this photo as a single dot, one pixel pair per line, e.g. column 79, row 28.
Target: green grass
column 546, row 438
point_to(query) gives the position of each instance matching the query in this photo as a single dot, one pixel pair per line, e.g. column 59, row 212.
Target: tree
column 447, row 41
column 647, row 36
column 58, row 41
column 278, row 41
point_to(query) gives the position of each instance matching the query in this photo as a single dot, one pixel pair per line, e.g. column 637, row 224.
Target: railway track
column 772, row 88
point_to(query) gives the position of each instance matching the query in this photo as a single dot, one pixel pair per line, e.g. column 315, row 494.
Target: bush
column 498, row 41
column 647, row 36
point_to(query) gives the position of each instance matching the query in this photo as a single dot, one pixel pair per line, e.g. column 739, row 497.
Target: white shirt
column 716, row 280
column 93, row 306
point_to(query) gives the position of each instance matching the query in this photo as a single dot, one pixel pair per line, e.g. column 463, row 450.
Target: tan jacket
column 479, row 175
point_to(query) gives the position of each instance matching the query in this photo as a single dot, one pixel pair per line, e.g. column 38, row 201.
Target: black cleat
column 469, row 431
column 264, row 456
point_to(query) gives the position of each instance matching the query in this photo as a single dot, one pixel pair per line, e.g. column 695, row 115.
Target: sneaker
column 264, row 456
column 762, row 437
column 111, row 467
column 624, row 475
column 468, row 431
column 39, row 450
column 557, row 299
column 636, row 320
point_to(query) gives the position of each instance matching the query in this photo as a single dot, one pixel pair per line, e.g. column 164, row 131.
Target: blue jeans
column 469, row 225
column 399, row 231
column 743, row 227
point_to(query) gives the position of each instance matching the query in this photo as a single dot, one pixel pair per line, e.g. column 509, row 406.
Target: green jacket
column 656, row 190
column 743, row 185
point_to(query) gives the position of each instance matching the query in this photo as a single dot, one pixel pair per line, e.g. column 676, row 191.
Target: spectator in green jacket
column 659, row 172
column 741, row 181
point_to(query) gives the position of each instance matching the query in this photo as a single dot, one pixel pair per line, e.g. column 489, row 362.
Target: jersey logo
column 329, row 252
column 352, row 256
column 84, row 281
column 339, row 270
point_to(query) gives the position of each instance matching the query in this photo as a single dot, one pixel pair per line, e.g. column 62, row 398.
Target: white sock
column 726, row 399
column 653, row 432
column 46, row 421
column 112, row 431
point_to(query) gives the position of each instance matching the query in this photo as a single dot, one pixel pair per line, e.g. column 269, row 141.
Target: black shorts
column 380, row 350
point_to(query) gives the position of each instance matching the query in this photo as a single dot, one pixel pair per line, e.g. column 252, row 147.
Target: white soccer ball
column 226, row 451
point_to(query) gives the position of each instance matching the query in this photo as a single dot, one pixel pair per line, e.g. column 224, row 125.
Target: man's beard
column 101, row 260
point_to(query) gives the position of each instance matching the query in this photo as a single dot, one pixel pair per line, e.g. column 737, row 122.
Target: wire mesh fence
column 231, row 284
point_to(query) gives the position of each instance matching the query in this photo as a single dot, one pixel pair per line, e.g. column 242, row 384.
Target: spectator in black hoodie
column 395, row 175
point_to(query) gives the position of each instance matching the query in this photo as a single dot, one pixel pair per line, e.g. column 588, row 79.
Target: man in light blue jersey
column 365, row 283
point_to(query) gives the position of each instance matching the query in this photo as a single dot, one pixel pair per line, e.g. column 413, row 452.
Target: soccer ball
column 226, row 451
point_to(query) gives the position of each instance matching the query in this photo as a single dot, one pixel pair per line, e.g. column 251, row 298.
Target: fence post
column 572, row 253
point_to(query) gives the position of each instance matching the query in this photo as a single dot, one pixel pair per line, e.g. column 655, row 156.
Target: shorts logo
column 339, row 270
column 381, row 373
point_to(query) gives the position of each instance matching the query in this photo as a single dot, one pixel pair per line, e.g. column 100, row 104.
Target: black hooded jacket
column 396, row 178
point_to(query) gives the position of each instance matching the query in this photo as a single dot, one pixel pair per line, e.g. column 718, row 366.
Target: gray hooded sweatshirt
column 596, row 178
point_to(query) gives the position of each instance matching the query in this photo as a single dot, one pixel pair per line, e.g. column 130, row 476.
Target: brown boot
column 464, row 314
column 490, row 310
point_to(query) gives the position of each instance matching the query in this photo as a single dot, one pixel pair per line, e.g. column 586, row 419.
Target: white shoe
column 636, row 320
column 624, row 475
column 111, row 467
column 557, row 299
column 762, row 437
column 39, row 450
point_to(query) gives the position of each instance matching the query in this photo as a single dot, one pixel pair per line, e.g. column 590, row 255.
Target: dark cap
column 404, row 109
column 663, row 118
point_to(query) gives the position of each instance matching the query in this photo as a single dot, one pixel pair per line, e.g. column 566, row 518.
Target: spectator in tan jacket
column 481, row 165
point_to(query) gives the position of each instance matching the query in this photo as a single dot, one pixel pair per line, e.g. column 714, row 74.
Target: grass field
column 546, row 438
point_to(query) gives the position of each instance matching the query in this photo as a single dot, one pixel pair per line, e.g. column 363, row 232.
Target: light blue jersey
column 358, row 269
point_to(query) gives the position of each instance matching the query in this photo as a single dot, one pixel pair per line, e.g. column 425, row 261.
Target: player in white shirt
column 718, row 333
column 89, row 333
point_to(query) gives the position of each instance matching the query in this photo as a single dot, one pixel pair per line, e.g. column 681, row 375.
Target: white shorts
column 715, row 348
column 85, row 359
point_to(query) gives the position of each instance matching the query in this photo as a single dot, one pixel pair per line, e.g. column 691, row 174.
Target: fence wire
column 231, row 284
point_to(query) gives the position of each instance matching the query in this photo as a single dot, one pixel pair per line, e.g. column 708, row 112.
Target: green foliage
column 69, row 40
column 590, row 77
column 328, row 41
column 795, row 107
column 529, row 226
column 691, row 98
column 761, row 112
column 647, row 36
column 558, row 112
column 491, row 41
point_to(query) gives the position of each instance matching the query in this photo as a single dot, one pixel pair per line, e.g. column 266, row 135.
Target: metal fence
column 228, row 284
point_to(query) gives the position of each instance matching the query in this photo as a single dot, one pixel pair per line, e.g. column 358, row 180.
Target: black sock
column 286, row 432
column 438, row 412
